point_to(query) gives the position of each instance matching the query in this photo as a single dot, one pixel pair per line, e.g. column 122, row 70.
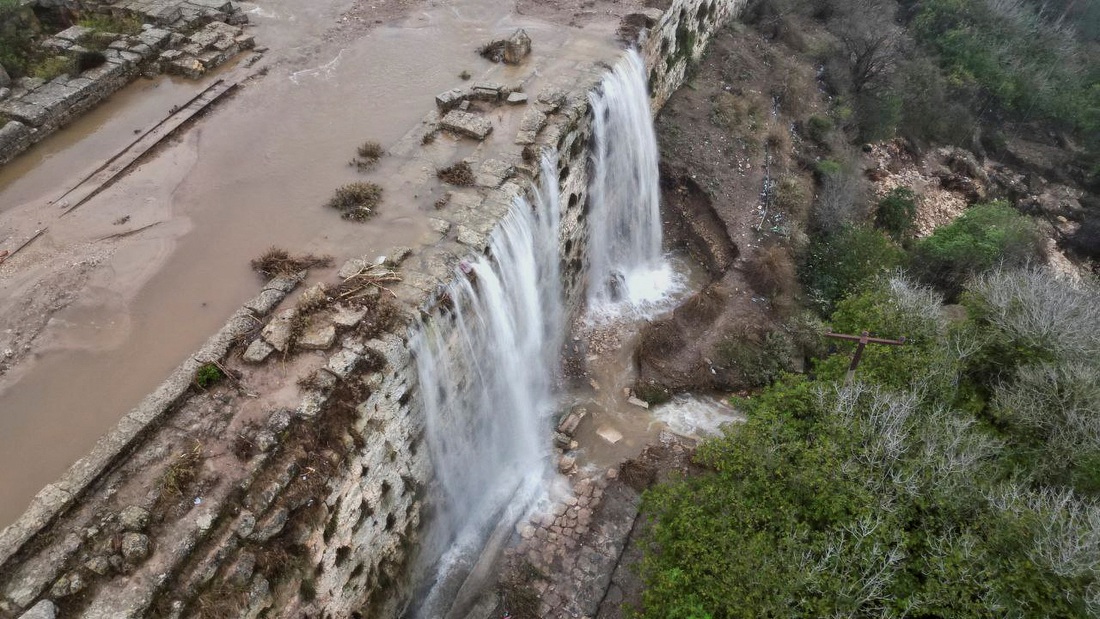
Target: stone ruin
column 181, row 37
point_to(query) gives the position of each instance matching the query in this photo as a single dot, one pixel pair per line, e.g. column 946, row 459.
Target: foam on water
column 696, row 416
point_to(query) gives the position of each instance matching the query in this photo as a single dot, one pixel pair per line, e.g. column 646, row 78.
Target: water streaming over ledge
column 626, row 265
column 487, row 367
column 486, row 375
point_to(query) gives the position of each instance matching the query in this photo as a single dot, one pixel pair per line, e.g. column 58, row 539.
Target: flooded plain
column 103, row 306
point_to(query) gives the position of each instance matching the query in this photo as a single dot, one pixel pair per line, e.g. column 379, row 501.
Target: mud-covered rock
column 135, row 547
column 133, row 518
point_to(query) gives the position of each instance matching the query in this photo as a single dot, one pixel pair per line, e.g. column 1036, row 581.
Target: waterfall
column 626, row 264
column 486, row 375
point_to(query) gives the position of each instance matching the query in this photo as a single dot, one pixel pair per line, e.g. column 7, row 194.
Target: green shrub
column 1015, row 58
column 652, row 392
column 838, row 264
column 792, row 198
column 985, row 236
column 847, row 501
column 208, row 375
column 896, row 211
column 52, row 67
column 818, row 128
column 828, row 167
column 757, row 360
column 17, row 29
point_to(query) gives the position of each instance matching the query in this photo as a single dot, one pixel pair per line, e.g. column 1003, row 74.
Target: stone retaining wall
column 317, row 506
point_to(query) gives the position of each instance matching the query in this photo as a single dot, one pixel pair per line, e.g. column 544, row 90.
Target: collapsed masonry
column 281, row 469
column 181, row 37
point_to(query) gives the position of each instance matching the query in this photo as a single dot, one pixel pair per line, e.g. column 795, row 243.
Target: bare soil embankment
column 736, row 192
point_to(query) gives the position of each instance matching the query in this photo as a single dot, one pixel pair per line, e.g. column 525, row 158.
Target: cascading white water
column 486, row 375
column 626, row 264
column 487, row 367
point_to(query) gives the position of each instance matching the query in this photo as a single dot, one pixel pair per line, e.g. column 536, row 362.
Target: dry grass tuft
column 277, row 262
column 459, row 174
column 221, row 600
column 357, row 201
column 369, row 154
column 771, row 272
column 183, row 470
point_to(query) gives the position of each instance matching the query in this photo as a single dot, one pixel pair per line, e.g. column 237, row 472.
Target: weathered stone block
column 44, row 609
column 533, row 120
column 76, row 34
column 279, row 330
column 486, row 91
column 257, row 351
column 517, row 98
column 30, row 84
column 14, row 137
column 155, row 38
column 222, row 6
column 569, row 424
column 135, row 546
column 472, row 238
column 188, row 66
column 25, row 112
column 348, row 317
column 264, row 302
column 343, row 362
column 133, row 518
column 318, row 336
column 552, row 97
column 447, row 101
column 492, row 173
column 142, row 50
column 467, row 124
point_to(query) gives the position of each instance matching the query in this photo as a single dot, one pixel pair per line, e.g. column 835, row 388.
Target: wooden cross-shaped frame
column 863, row 339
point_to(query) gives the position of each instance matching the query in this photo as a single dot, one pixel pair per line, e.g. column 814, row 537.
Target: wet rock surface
column 467, row 124
column 564, row 560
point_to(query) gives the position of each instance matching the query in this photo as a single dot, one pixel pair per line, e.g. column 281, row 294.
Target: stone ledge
column 53, row 500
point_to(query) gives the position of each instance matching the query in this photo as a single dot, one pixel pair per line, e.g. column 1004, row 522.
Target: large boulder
column 517, row 47
column 5, row 79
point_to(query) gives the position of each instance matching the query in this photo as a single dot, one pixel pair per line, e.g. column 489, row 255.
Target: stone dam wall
column 300, row 484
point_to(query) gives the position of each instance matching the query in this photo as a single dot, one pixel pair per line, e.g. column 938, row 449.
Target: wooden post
column 863, row 340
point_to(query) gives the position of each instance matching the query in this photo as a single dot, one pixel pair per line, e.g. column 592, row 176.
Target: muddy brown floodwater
column 96, row 323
